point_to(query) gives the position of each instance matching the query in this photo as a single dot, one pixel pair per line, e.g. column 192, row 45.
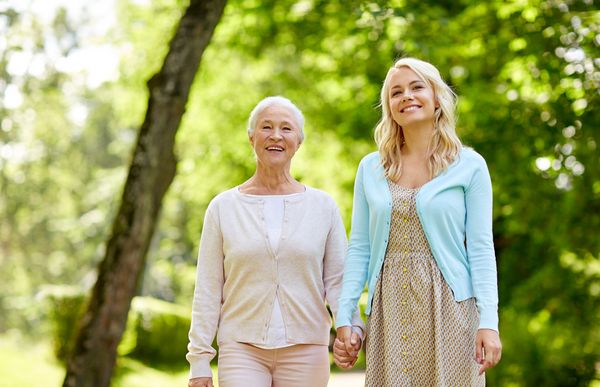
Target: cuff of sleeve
column 342, row 319
column 488, row 319
column 359, row 331
column 341, row 322
column 358, row 322
column 200, row 367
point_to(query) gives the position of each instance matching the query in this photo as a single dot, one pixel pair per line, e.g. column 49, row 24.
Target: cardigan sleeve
column 208, row 294
column 333, row 268
column 357, row 257
column 480, row 245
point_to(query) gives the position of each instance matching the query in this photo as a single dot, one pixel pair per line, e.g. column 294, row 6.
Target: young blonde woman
column 421, row 239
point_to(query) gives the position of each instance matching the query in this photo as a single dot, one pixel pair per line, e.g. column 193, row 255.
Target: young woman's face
column 412, row 100
column 276, row 137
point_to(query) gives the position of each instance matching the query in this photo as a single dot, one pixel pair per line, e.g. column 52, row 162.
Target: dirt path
column 347, row 379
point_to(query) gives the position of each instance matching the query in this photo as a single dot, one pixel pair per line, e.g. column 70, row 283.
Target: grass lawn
column 27, row 364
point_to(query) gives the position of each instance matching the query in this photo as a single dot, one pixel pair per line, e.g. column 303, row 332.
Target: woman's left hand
column 488, row 349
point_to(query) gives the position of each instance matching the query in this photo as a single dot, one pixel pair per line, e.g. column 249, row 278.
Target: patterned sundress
column 418, row 335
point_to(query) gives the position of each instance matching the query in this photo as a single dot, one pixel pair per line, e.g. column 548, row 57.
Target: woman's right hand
column 346, row 347
column 200, row 382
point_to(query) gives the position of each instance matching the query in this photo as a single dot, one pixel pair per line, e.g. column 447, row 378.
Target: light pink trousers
column 244, row 365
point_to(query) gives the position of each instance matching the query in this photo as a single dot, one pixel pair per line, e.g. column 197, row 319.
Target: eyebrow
column 415, row 81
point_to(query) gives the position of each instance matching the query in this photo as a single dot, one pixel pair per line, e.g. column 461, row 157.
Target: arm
column 332, row 277
column 357, row 258
column 206, row 306
column 333, row 266
column 348, row 343
column 480, row 245
column 480, row 253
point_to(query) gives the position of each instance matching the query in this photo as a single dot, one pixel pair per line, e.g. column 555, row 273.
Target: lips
column 275, row 148
column 410, row 108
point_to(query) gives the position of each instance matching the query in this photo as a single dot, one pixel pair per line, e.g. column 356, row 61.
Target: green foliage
column 156, row 333
column 527, row 74
column 560, row 348
column 65, row 306
column 159, row 330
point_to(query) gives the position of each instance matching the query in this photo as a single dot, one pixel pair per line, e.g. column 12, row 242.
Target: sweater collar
column 288, row 198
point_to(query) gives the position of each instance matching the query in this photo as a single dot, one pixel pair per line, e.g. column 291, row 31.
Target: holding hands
column 200, row 382
column 346, row 347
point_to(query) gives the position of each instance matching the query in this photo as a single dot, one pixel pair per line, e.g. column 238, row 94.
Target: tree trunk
column 150, row 175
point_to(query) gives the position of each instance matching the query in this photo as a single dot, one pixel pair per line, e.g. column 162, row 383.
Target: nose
column 276, row 133
column 407, row 96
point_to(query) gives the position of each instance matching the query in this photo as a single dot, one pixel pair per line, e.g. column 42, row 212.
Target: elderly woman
column 271, row 253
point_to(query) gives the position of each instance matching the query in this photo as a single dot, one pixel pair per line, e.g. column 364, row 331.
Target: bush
column 539, row 351
column 159, row 330
column 156, row 333
column 65, row 307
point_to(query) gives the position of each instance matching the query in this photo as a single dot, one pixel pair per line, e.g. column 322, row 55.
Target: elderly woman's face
column 276, row 137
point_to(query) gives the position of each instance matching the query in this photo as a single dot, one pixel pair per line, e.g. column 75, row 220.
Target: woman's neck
column 271, row 182
column 417, row 141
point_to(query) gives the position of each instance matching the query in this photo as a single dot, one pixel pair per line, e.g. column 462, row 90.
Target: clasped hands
column 346, row 347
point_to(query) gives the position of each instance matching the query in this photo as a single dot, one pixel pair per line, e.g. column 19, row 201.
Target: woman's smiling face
column 276, row 136
column 412, row 100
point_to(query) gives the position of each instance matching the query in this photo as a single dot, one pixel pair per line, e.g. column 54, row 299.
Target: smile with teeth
column 410, row 108
column 275, row 148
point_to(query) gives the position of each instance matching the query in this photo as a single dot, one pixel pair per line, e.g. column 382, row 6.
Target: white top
column 273, row 212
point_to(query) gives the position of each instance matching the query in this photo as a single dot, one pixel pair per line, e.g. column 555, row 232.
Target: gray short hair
column 278, row 101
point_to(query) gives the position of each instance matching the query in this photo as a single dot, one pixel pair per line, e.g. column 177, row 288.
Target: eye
column 395, row 93
column 266, row 127
column 287, row 128
column 418, row 87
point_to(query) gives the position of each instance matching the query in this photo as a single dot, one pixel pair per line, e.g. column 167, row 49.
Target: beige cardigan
column 238, row 274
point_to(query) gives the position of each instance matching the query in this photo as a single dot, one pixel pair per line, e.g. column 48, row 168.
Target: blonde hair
column 444, row 146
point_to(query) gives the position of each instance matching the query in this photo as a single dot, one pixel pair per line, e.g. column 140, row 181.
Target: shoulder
column 369, row 163
column 470, row 159
column 320, row 197
column 223, row 199
column 370, row 159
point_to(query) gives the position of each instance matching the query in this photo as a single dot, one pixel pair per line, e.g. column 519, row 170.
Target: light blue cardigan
column 455, row 210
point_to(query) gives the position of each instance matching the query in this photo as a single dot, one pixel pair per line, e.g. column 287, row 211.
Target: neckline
column 253, row 198
column 270, row 195
column 407, row 188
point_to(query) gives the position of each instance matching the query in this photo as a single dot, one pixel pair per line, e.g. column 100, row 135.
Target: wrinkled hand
column 346, row 347
column 488, row 349
column 200, row 382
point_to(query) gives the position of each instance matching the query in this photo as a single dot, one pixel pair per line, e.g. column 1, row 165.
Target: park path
column 347, row 379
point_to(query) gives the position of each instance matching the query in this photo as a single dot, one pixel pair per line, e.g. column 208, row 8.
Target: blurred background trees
column 527, row 73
